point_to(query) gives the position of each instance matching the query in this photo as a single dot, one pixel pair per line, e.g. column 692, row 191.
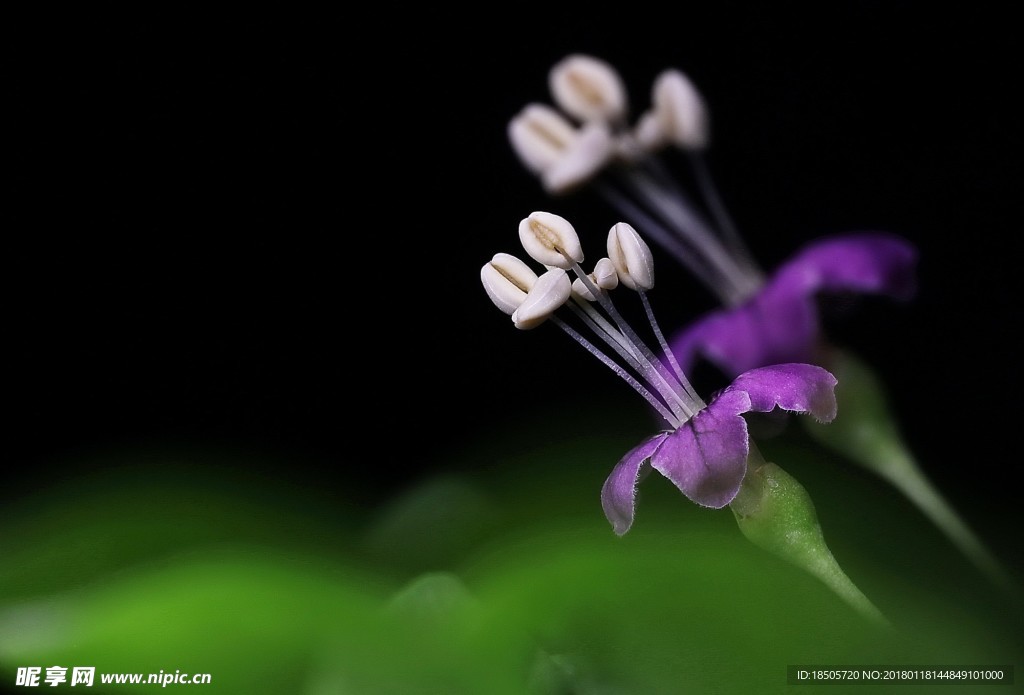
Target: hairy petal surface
column 800, row 388
column 706, row 458
column 618, row 496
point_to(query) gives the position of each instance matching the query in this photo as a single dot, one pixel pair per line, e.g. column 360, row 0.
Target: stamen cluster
column 532, row 299
column 567, row 147
column 588, row 139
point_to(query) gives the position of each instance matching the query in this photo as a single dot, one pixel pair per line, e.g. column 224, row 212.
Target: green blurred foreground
column 505, row 579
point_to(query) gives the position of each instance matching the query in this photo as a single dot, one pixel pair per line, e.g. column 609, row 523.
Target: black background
column 263, row 234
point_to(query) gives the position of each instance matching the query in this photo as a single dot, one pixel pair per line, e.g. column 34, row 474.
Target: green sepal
column 775, row 512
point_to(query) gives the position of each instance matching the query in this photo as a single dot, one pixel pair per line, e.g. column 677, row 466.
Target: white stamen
column 580, row 290
column 730, row 234
column 565, row 158
column 588, row 89
column 648, row 132
column 680, row 110
column 540, row 136
column 736, row 281
column 634, row 353
column 665, row 350
column 631, row 256
column 604, row 276
column 669, row 239
column 506, row 279
column 551, row 291
column 532, row 300
column 550, row 240
column 589, row 152
column 670, row 418
column 656, row 374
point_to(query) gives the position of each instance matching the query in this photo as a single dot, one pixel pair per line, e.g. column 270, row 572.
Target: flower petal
column 706, row 458
column 772, row 327
column 618, row 496
column 780, row 323
column 867, row 262
column 802, row 388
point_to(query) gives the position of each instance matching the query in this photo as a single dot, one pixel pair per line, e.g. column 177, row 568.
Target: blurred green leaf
column 249, row 618
column 137, row 506
column 509, row 580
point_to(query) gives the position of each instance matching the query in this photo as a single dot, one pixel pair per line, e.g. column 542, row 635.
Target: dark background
column 262, row 235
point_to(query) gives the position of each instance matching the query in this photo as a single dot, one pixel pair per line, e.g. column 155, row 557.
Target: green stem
column 774, row 512
column 865, row 433
column 902, row 471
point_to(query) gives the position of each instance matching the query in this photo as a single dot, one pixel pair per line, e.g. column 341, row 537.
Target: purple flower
column 779, row 323
column 706, row 456
column 704, row 450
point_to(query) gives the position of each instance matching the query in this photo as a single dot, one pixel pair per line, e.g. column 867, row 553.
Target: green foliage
column 506, row 581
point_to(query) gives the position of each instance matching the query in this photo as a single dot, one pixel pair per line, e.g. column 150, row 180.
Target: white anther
column 588, row 89
column 550, row 240
column 540, row 135
column 506, row 279
column 551, row 291
column 587, row 154
column 648, row 132
column 631, row 256
column 604, row 276
column 680, row 109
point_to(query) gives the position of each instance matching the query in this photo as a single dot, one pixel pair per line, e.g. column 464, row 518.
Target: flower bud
column 550, row 240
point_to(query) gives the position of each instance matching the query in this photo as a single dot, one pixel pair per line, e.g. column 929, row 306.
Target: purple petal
column 618, row 496
column 780, row 323
column 706, row 458
column 772, row 327
column 868, row 262
column 802, row 388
